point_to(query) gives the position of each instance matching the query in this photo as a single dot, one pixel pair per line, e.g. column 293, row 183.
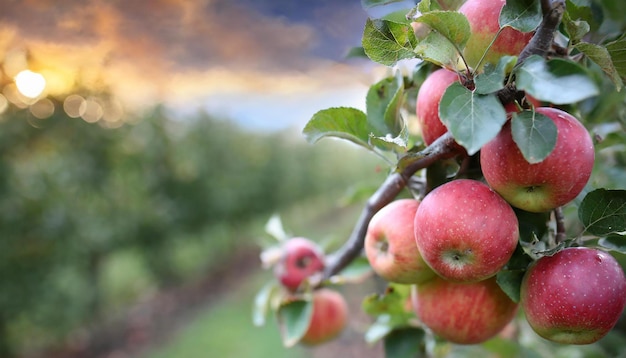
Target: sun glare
column 30, row 84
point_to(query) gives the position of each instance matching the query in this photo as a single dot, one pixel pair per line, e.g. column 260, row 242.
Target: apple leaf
column 535, row 135
column 556, row 81
column 392, row 302
column 383, row 103
column 293, row 320
column 510, row 281
column 472, row 118
column 576, row 29
column 262, row 301
column 379, row 329
column 614, row 242
column 405, row 342
column 601, row 56
column 603, row 212
column 437, row 49
column 617, row 51
column 532, row 226
column 510, row 278
column 341, row 122
column 492, row 78
column 397, row 144
column 388, row 42
column 450, row 24
column 522, row 15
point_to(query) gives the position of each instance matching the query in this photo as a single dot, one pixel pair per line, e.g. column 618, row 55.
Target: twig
column 442, row 148
column 540, row 44
column 560, row 226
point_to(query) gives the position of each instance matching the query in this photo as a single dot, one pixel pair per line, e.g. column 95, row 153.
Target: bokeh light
column 30, row 84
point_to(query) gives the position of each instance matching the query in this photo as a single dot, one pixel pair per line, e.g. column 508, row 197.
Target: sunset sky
column 266, row 63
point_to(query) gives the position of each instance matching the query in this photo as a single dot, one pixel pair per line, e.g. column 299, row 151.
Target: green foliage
column 535, row 135
column 603, row 212
column 293, row 320
column 524, row 15
column 472, row 118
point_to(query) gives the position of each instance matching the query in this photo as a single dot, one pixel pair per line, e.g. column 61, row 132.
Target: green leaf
column 614, row 242
column 341, row 122
column 556, row 81
column 437, row 49
column 603, row 212
column 617, row 51
column 388, row 42
column 293, row 320
column 262, row 301
column 576, row 29
column 392, row 144
column 472, row 118
column 368, row 4
column 601, row 56
column 510, row 281
column 392, row 301
column 522, row 15
column 379, row 329
column 492, row 79
column 383, row 103
column 405, row 342
column 581, row 11
column 451, row 24
column 535, row 135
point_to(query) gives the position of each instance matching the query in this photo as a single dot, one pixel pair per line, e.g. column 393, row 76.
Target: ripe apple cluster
column 299, row 260
column 465, row 231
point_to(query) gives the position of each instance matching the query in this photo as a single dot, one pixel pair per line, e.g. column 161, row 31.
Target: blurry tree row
column 73, row 195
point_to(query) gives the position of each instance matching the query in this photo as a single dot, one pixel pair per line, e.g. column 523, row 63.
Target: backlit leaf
column 437, row 49
column 617, row 51
column 341, row 122
column 451, row 24
column 603, row 212
column 535, row 135
column 472, row 118
column 523, row 15
column 556, row 81
column 601, row 56
column 383, row 103
column 293, row 320
column 262, row 302
column 388, row 42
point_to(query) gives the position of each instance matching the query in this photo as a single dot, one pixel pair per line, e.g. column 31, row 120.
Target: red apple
column 300, row 259
column 543, row 186
column 427, row 104
column 465, row 231
column 575, row 296
column 464, row 313
column 483, row 16
column 330, row 313
column 390, row 244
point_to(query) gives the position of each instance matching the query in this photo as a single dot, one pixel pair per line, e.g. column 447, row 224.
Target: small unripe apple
column 464, row 313
column 427, row 103
column 300, row 259
column 546, row 185
column 483, row 17
column 330, row 313
column 575, row 296
column 465, row 231
column 390, row 244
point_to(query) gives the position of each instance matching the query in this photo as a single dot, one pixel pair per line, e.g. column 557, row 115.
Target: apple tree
column 504, row 209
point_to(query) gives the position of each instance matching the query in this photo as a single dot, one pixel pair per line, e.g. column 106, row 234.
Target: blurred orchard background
column 143, row 147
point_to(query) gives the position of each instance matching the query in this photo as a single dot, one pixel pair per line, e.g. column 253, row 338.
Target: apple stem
column 488, row 48
column 560, row 225
column 442, row 148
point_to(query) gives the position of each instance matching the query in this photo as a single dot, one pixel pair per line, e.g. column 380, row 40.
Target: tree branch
column 560, row 226
column 442, row 148
column 539, row 44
